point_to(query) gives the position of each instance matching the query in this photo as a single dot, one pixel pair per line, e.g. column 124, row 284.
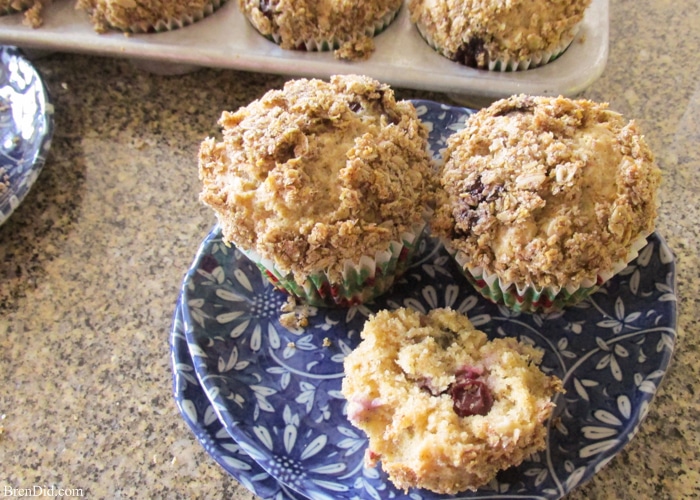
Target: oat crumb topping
column 497, row 29
column 548, row 191
column 125, row 14
column 319, row 173
column 296, row 22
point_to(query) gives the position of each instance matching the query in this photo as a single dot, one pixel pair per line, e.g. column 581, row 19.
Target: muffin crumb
column 357, row 49
column 294, row 317
column 4, row 180
column 443, row 407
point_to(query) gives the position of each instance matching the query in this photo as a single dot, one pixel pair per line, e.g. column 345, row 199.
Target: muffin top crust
column 443, row 407
column 547, row 191
column 319, row 173
column 126, row 14
column 477, row 31
column 295, row 22
column 33, row 10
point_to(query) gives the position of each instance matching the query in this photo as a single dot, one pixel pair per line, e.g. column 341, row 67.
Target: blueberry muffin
column 326, row 186
column 498, row 35
column 146, row 16
column 33, row 10
column 443, row 407
column 346, row 27
column 545, row 199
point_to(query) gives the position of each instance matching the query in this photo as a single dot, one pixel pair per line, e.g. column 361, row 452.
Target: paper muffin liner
column 174, row 23
column 530, row 298
column 510, row 64
column 361, row 281
column 327, row 44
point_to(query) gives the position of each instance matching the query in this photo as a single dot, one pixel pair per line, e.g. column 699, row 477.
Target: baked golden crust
column 319, row 173
column 497, row 29
column 126, row 14
column 295, row 22
column 398, row 385
column 547, row 191
column 33, row 10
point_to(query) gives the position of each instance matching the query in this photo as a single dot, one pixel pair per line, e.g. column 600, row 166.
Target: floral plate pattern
column 26, row 128
column 277, row 391
column 199, row 414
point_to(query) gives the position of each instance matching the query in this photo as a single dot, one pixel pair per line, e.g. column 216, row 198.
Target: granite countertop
column 92, row 260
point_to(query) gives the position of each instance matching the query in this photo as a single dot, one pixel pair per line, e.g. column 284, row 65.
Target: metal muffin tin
column 402, row 58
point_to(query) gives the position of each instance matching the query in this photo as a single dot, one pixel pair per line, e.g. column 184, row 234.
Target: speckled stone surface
column 91, row 262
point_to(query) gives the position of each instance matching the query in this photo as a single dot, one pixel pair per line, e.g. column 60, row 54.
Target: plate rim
column 632, row 425
column 628, row 431
column 248, row 478
column 43, row 141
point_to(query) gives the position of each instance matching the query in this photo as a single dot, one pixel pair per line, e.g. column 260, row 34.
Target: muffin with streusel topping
column 33, row 10
column 326, row 186
column 443, row 407
column 346, row 27
column 498, row 35
column 545, row 199
column 146, row 16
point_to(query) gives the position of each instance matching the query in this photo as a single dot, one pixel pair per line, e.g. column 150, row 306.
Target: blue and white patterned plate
column 26, row 128
column 277, row 392
column 198, row 413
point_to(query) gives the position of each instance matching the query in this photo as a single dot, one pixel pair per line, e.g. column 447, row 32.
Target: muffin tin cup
column 530, row 298
column 506, row 65
column 361, row 281
column 334, row 43
column 171, row 24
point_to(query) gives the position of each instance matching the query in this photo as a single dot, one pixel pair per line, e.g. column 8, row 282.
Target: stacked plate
column 26, row 128
column 265, row 401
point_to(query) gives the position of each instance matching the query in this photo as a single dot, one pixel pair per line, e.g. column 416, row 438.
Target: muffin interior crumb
column 400, row 384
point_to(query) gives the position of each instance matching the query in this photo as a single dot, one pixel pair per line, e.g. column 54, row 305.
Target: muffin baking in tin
column 31, row 9
column 149, row 16
column 346, row 27
column 498, row 35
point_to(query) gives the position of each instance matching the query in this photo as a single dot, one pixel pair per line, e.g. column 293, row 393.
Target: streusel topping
column 125, row 14
column 33, row 10
column 298, row 21
column 498, row 29
column 443, row 407
column 547, row 191
column 319, row 173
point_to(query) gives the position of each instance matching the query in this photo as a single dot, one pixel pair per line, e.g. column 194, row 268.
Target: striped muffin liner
column 173, row 23
column 510, row 64
column 360, row 282
column 325, row 44
column 530, row 298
